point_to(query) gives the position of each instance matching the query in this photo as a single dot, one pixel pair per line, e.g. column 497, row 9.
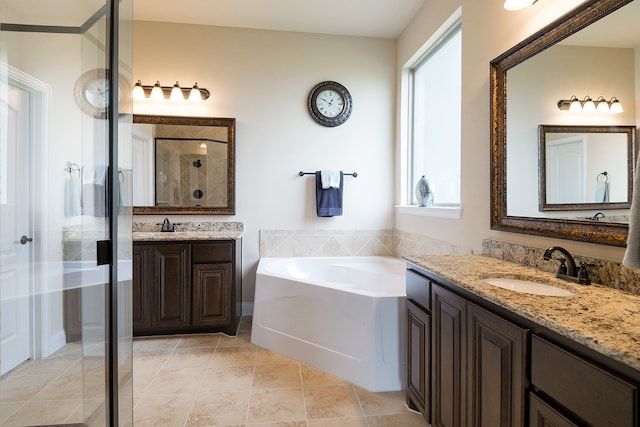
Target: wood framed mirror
column 183, row 165
column 585, row 167
column 505, row 135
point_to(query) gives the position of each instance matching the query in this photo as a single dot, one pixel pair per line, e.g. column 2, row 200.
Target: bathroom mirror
column 183, row 165
column 522, row 98
column 585, row 167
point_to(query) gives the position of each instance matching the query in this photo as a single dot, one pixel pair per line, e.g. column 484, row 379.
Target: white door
column 15, row 256
column 566, row 179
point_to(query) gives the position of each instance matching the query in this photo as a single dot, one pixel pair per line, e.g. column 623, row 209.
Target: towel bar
column 354, row 174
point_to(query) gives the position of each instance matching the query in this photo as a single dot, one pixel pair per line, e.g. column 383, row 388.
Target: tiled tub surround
column 606, row 273
column 603, row 319
column 297, row 243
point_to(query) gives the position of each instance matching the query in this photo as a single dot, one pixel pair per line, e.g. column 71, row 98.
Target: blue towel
column 328, row 201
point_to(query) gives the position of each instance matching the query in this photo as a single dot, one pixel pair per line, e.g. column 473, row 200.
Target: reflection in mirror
column 585, row 167
column 183, row 165
column 589, row 51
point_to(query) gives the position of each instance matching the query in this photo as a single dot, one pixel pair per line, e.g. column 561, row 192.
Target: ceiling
column 367, row 18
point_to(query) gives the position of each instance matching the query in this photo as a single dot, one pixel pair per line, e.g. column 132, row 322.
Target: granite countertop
column 604, row 319
column 157, row 236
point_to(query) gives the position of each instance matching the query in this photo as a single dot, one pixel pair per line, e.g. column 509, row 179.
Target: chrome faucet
column 567, row 269
column 166, row 226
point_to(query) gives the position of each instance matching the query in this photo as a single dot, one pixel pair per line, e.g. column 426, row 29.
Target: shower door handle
column 24, row 240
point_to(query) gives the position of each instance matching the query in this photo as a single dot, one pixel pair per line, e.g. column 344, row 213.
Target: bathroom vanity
column 186, row 282
column 480, row 355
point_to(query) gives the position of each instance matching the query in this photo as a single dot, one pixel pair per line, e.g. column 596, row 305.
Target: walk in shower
column 65, row 213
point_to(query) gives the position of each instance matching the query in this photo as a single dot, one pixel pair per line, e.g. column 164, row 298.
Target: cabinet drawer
column 591, row 393
column 418, row 289
column 212, row 252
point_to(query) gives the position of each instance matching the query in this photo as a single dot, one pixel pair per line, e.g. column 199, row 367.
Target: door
column 15, row 250
column 566, row 175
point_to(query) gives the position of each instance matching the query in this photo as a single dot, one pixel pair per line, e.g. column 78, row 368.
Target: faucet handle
column 562, row 268
column 583, row 274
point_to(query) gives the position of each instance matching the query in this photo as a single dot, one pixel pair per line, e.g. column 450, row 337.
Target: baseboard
column 56, row 342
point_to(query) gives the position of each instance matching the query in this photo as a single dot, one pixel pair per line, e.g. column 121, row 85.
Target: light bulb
column 589, row 106
column 138, row 91
column 615, row 106
column 575, row 105
column 156, row 92
column 602, row 106
column 195, row 95
column 176, row 93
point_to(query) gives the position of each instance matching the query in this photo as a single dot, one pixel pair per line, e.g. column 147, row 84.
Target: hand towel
column 602, row 192
column 94, row 191
column 330, row 178
column 632, row 254
column 72, row 199
column 329, row 200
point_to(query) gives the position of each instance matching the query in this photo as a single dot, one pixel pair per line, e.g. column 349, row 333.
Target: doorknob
column 24, row 240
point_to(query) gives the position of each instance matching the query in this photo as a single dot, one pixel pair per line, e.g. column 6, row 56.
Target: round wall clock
column 91, row 92
column 329, row 103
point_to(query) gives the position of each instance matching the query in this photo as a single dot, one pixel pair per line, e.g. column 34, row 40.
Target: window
column 435, row 119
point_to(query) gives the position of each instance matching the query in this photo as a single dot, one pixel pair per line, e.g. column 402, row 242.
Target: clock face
column 92, row 93
column 329, row 104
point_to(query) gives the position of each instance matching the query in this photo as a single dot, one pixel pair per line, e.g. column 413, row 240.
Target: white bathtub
column 342, row 315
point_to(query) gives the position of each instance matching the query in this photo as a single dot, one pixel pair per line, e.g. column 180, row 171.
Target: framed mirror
column 568, row 57
column 585, row 167
column 183, row 165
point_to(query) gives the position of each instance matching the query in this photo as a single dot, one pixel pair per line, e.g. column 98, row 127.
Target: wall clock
column 329, row 103
column 91, row 92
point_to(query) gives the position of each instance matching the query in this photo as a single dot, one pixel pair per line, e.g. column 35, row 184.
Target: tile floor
column 204, row 380
column 217, row 380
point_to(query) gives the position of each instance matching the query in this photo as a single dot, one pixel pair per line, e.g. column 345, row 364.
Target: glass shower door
column 65, row 226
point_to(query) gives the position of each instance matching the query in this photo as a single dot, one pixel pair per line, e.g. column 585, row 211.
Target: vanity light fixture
column 173, row 93
column 518, row 4
column 588, row 105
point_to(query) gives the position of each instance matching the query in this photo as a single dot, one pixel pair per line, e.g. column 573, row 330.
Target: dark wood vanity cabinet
column 448, row 349
column 478, row 365
column 493, row 368
column 418, row 344
column 496, row 370
column 186, row 287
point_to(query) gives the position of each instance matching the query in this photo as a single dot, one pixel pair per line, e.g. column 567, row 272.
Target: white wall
column 262, row 78
column 487, row 31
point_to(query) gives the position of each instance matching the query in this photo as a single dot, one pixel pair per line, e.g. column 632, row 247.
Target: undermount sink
column 528, row 287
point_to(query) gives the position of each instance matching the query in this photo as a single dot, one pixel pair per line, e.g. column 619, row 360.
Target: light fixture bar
column 588, row 105
column 141, row 91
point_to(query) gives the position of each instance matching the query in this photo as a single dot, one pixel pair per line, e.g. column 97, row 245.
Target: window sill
column 453, row 212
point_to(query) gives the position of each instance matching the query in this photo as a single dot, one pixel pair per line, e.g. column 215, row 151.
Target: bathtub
column 342, row 315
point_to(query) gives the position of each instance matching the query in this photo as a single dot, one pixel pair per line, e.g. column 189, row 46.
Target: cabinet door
column 543, row 415
column 448, row 396
column 172, row 299
column 419, row 358
column 496, row 370
column 142, row 284
column 212, row 294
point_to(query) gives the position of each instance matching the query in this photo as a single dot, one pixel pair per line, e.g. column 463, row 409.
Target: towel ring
column 605, row 175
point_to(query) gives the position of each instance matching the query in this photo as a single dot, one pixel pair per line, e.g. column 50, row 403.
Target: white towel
column 330, row 178
column 72, row 196
column 602, row 192
column 632, row 254
column 96, row 175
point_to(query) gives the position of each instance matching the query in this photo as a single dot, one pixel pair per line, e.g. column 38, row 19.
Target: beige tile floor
column 205, row 380
column 217, row 380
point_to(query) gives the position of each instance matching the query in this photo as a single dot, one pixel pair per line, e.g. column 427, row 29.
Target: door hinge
column 104, row 252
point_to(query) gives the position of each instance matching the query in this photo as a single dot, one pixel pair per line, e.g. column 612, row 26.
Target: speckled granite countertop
column 604, row 319
column 157, row 236
column 213, row 230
